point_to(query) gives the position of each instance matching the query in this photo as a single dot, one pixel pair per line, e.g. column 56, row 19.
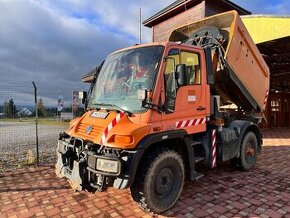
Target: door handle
column 200, row 108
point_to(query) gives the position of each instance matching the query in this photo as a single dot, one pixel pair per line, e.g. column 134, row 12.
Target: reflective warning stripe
column 73, row 125
column 110, row 126
column 266, row 98
column 187, row 123
column 213, row 158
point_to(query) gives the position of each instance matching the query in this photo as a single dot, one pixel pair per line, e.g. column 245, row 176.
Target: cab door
column 186, row 106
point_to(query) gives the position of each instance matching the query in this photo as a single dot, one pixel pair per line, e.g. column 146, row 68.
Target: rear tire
column 248, row 153
column 159, row 181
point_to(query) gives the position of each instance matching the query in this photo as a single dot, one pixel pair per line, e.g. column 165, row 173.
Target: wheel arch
column 242, row 127
column 176, row 140
column 252, row 127
column 240, row 162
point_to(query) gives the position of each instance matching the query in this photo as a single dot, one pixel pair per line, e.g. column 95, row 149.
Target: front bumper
column 79, row 165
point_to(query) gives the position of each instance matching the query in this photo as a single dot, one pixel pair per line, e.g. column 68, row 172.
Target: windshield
column 124, row 73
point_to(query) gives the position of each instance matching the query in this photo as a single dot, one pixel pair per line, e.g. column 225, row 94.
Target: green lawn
column 41, row 121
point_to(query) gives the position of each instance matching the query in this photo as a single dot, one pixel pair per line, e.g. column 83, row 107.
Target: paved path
column 223, row 192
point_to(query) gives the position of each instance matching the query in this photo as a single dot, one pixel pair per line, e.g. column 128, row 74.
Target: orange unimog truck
column 155, row 111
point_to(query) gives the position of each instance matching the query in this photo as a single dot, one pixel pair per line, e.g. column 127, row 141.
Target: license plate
column 101, row 115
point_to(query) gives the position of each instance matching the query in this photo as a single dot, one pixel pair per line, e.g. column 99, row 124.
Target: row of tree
column 10, row 110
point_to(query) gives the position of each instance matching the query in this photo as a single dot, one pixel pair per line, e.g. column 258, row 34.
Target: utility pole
column 140, row 26
column 36, row 122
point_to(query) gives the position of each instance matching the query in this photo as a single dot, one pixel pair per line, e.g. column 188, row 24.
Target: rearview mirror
column 144, row 95
column 180, row 74
column 141, row 94
column 83, row 96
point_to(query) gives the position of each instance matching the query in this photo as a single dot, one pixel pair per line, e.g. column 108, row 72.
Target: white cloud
column 65, row 35
column 55, row 42
column 112, row 15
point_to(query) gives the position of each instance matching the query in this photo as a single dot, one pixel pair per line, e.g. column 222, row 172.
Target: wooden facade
column 182, row 12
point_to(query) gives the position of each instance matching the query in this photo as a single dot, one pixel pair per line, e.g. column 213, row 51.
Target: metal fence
column 22, row 133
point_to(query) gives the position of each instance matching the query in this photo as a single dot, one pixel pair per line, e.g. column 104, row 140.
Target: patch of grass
column 52, row 122
column 24, row 164
column 28, row 120
column 42, row 121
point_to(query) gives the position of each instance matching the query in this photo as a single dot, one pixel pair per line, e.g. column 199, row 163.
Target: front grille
column 95, row 132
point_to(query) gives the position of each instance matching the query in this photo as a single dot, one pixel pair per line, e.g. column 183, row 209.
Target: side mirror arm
column 147, row 103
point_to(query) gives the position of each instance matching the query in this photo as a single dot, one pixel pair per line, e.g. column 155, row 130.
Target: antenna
column 140, row 26
column 185, row 8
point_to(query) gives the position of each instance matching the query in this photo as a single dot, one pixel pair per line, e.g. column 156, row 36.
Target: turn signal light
column 123, row 139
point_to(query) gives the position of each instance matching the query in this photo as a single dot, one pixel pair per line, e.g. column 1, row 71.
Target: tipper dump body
column 245, row 79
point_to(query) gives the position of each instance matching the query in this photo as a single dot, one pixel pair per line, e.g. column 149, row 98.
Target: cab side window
column 191, row 60
column 175, row 57
column 171, row 62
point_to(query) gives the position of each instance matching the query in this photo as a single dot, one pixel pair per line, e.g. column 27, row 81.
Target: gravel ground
column 18, row 138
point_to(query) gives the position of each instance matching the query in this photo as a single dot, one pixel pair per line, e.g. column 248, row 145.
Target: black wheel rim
column 164, row 182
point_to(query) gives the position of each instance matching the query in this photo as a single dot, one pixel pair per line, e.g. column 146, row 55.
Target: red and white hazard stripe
column 73, row 125
column 213, row 139
column 187, row 123
column 266, row 97
column 110, row 126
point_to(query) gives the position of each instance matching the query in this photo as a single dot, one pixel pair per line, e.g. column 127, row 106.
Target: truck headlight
column 105, row 165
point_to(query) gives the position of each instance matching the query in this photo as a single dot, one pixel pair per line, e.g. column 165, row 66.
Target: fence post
column 36, row 123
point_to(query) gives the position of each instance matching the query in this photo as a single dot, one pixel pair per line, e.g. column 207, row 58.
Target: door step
column 195, row 143
column 196, row 176
column 198, row 159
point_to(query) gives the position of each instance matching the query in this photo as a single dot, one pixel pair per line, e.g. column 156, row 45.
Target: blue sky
column 56, row 42
column 265, row 6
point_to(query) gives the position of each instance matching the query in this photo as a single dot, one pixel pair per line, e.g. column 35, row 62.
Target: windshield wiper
column 118, row 108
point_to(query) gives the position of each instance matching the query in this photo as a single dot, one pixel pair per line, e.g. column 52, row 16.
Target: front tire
column 159, row 181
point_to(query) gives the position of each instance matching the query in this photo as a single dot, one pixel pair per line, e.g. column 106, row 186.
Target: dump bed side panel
column 247, row 63
column 248, row 69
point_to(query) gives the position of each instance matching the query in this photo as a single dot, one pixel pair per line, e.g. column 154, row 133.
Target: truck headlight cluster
column 105, row 165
